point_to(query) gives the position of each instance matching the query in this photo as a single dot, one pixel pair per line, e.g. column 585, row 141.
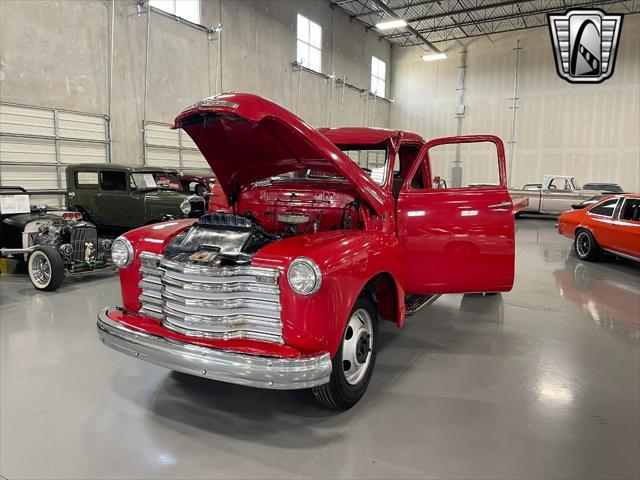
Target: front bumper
column 242, row 369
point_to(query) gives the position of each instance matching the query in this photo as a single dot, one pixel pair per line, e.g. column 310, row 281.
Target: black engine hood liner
column 222, row 239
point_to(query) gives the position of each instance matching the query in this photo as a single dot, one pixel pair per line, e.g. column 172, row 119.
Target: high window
column 187, row 9
column 378, row 77
column 309, row 44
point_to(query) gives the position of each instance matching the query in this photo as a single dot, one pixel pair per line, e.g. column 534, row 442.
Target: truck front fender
column 349, row 262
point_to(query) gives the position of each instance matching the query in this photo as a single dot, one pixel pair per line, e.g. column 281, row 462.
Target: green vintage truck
column 125, row 196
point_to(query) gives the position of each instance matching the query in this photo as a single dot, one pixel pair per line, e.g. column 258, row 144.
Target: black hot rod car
column 55, row 243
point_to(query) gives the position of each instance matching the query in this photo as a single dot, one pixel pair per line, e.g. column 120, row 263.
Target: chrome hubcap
column 41, row 269
column 583, row 244
column 356, row 346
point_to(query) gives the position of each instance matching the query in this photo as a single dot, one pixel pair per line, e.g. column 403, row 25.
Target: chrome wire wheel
column 357, row 344
column 583, row 244
column 40, row 269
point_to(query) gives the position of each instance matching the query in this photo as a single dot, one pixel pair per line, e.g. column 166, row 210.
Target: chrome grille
column 211, row 302
column 80, row 238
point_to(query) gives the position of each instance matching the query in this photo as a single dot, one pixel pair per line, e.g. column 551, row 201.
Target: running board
column 415, row 303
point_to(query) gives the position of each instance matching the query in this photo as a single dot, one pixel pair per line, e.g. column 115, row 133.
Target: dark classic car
column 206, row 185
column 55, row 243
column 124, row 196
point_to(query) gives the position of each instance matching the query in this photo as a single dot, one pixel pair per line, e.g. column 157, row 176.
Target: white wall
column 54, row 53
column 590, row 131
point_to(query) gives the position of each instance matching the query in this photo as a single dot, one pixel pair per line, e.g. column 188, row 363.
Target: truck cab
column 331, row 231
column 557, row 194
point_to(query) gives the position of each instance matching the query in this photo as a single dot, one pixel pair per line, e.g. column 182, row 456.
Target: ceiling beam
column 520, row 15
column 394, row 9
column 382, row 6
column 478, row 8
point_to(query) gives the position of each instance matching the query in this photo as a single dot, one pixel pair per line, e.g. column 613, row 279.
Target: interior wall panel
column 589, row 131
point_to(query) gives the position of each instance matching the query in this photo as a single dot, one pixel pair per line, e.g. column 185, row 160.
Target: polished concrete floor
column 542, row 382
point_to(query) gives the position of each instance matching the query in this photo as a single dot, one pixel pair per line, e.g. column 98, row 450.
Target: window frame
column 86, row 186
column 108, row 172
column 623, row 204
column 614, row 211
column 375, row 75
column 306, row 62
column 381, row 147
column 175, row 3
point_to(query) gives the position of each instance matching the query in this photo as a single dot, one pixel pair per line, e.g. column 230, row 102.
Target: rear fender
column 351, row 262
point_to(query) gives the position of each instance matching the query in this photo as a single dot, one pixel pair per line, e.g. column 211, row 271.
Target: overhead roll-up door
column 164, row 147
column 36, row 144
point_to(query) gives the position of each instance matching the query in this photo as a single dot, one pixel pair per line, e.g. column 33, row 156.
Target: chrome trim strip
column 222, row 287
column 236, row 334
column 243, row 369
column 218, row 271
column 210, row 298
column 16, row 251
column 623, row 255
column 219, row 313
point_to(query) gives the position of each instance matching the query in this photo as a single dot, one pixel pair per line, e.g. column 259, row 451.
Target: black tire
column 585, row 245
column 339, row 393
column 45, row 258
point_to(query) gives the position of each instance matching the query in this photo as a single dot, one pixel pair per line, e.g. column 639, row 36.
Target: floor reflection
column 607, row 291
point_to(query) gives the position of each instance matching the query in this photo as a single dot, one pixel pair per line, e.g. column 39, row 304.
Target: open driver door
column 456, row 239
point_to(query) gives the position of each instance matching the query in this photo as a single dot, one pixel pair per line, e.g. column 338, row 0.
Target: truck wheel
column 46, row 269
column 585, row 245
column 354, row 361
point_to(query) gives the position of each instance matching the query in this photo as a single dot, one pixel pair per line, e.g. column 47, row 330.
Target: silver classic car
column 556, row 194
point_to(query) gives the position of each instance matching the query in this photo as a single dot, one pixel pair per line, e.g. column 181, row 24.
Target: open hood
column 246, row 138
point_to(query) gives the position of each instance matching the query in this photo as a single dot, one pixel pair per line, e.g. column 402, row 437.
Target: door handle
column 501, row 205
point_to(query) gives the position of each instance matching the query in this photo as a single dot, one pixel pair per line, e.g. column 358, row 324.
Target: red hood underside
column 246, row 138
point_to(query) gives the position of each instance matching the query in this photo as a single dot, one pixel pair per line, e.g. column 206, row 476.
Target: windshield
column 155, row 180
column 372, row 160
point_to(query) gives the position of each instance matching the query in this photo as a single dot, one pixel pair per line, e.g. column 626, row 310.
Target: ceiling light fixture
column 398, row 23
column 434, row 56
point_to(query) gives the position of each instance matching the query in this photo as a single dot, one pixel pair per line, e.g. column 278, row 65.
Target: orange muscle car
column 611, row 225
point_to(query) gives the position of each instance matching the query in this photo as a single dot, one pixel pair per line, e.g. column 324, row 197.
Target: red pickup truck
column 331, row 231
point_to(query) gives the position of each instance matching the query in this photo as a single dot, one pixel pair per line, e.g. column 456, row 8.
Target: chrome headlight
column 304, row 276
column 185, row 207
column 121, row 252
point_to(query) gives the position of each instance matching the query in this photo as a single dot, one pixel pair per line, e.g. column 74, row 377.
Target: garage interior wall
column 589, row 131
column 56, row 54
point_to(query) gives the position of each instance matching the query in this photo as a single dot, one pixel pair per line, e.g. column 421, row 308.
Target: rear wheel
column 46, row 268
column 354, row 361
column 585, row 245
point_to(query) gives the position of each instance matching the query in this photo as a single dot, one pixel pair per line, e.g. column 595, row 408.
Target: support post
column 514, row 108
column 456, row 169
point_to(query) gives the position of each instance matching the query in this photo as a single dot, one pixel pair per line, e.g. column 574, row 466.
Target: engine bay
column 264, row 215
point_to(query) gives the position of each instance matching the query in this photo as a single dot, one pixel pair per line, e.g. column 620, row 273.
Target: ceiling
column 430, row 22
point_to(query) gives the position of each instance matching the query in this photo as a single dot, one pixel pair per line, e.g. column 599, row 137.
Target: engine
column 219, row 239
